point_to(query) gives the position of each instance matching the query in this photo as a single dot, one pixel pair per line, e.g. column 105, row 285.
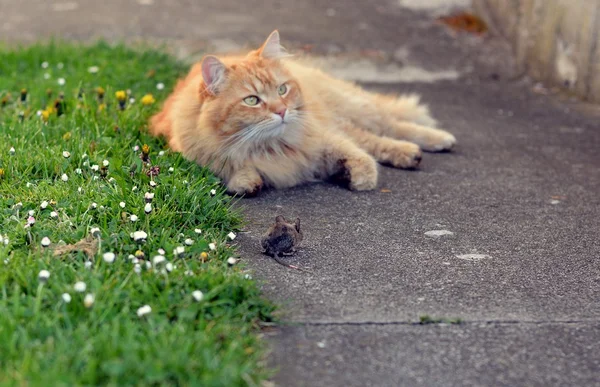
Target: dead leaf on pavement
column 466, row 22
column 385, row 190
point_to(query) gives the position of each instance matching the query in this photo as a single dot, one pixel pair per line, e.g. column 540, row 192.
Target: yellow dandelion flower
column 1, row 173
column 203, row 255
column 148, row 99
column 145, row 149
column 67, row 136
column 101, row 107
column 121, row 95
column 100, row 90
column 45, row 115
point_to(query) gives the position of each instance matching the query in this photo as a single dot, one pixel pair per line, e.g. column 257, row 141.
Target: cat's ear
column 271, row 48
column 213, row 73
column 279, row 219
column 298, row 224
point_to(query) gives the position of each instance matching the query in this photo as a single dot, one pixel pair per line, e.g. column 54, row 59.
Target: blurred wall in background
column 555, row 41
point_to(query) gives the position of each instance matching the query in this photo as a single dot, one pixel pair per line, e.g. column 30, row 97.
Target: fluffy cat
column 266, row 120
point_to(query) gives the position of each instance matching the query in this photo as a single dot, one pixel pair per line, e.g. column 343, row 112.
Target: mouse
column 282, row 238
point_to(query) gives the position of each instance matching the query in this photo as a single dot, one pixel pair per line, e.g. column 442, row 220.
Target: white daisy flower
column 88, row 300
column 197, row 295
column 54, row 214
column 189, row 273
column 213, row 192
column 78, row 171
column 60, row 65
column 88, row 264
column 109, row 257
column 144, row 310
column 185, row 182
column 169, row 267
column 153, row 184
column 212, row 246
column 94, row 205
column 93, row 69
column 28, row 185
column 46, row 242
column 95, row 178
column 179, row 251
column 148, row 208
column 95, row 167
column 133, row 218
column 112, row 180
column 46, row 76
column 122, row 204
column 231, row 235
column 158, row 259
column 171, row 169
column 232, row 261
column 161, row 251
column 139, row 236
column 248, row 276
column 161, row 153
column 189, row 241
column 18, row 206
column 66, row 298
column 61, row 81
column 106, row 163
column 132, row 100
column 80, row 287
column 136, row 148
column 38, row 113
column 66, row 154
column 135, row 188
column 84, row 156
column 44, row 205
column 95, row 231
column 44, row 275
column 148, row 196
column 198, row 231
column 148, row 265
column 12, row 151
column 160, row 86
column 64, row 177
column 45, row 65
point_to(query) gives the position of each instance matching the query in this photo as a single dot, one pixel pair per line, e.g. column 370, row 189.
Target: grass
column 45, row 340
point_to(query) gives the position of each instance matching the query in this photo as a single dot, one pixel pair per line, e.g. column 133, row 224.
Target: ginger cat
column 266, row 120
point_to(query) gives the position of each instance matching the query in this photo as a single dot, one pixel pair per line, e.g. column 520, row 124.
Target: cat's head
column 254, row 100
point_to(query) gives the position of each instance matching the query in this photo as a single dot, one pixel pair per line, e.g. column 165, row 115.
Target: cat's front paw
column 247, row 184
column 402, row 154
column 437, row 140
column 362, row 173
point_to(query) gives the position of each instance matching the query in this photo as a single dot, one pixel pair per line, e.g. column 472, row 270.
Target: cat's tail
column 408, row 108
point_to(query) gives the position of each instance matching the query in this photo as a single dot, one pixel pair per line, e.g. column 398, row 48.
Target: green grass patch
column 45, row 340
column 426, row 320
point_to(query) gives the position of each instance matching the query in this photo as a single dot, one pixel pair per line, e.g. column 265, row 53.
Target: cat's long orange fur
column 305, row 126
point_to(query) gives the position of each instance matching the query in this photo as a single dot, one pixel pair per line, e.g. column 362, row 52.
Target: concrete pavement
column 520, row 195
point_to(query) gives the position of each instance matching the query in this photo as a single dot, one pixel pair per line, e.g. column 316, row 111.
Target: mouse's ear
column 279, row 219
column 298, row 224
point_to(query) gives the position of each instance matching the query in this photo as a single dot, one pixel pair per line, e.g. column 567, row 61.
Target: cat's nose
column 281, row 113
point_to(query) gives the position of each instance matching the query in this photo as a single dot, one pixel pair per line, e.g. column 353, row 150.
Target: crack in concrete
column 417, row 323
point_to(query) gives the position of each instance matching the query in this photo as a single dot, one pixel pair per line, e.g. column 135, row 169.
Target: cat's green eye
column 251, row 101
column 282, row 89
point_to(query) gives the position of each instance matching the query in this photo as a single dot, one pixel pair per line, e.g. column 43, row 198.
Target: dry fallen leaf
column 466, row 22
column 89, row 246
column 385, row 190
